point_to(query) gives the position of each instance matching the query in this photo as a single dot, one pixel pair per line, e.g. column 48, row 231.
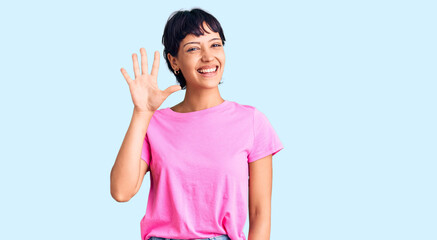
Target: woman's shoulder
column 243, row 107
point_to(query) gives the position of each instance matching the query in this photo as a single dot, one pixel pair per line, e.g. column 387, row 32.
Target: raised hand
column 146, row 95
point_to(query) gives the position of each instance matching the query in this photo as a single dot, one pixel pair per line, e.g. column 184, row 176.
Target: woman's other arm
column 260, row 195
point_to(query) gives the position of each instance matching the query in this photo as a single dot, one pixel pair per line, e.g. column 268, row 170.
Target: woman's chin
column 207, row 83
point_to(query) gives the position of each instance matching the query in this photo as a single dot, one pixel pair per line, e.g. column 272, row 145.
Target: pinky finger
column 126, row 76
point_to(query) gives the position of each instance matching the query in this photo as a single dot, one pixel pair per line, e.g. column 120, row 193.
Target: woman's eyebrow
column 199, row 42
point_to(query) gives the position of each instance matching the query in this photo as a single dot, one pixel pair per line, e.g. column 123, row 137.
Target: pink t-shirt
column 199, row 169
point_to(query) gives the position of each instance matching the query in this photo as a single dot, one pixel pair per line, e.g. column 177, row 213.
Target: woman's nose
column 207, row 55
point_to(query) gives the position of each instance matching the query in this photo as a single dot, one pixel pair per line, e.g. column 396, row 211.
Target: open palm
column 146, row 95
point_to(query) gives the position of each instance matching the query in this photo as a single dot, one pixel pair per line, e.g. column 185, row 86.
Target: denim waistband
column 221, row 237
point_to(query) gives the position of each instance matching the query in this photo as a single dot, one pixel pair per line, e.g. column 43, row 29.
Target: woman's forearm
column 125, row 172
column 259, row 227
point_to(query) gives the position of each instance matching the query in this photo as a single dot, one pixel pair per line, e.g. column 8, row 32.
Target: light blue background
column 349, row 86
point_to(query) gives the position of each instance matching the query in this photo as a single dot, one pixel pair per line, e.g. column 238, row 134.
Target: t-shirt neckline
column 199, row 112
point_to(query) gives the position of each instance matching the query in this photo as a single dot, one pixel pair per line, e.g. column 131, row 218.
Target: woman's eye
column 194, row 48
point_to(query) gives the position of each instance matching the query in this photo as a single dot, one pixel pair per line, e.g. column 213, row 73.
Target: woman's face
column 201, row 59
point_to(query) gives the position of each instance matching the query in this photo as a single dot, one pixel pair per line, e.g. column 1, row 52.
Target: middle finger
column 144, row 69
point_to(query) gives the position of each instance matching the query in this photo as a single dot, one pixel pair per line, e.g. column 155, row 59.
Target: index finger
column 155, row 65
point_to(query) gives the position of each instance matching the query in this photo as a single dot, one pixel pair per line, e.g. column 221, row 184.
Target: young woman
column 199, row 152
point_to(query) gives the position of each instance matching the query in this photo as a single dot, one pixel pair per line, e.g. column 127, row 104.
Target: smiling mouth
column 208, row 71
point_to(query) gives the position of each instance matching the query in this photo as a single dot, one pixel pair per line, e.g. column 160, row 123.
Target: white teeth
column 207, row 70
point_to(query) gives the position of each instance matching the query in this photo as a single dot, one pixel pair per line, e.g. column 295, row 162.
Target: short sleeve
column 145, row 153
column 265, row 139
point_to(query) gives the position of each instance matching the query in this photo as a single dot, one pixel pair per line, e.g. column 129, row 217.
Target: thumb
column 172, row 89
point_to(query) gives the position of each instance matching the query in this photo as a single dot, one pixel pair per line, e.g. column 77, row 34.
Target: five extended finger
column 155, row 65
column 144, row 69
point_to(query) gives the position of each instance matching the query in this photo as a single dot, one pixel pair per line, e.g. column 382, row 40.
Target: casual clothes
column 199, row 169
column 222, row 237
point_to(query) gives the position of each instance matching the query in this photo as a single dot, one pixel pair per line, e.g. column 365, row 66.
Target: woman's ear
column 173, row 61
